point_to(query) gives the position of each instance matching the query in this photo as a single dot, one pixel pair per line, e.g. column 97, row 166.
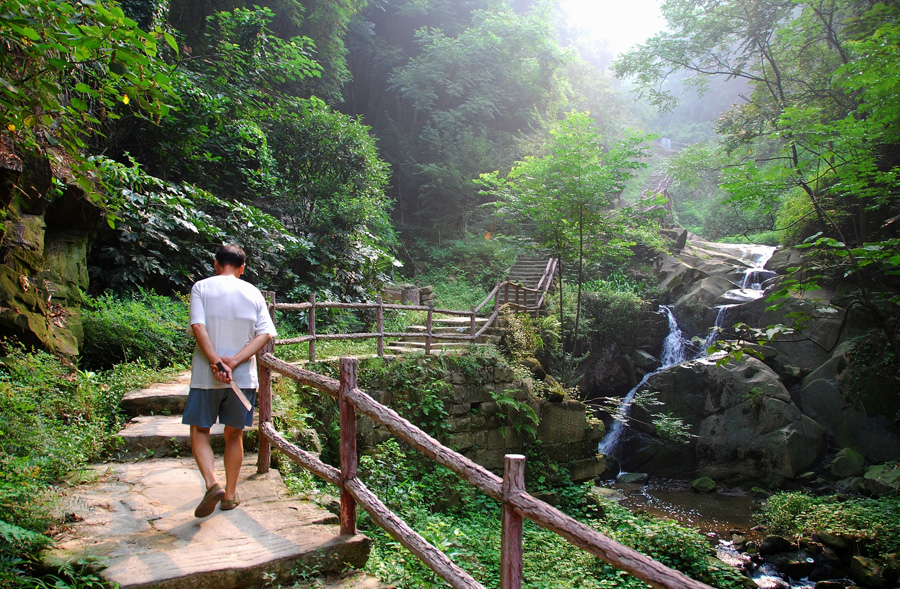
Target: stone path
column 136, row 519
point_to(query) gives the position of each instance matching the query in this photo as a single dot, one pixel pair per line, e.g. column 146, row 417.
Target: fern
column 16, row 536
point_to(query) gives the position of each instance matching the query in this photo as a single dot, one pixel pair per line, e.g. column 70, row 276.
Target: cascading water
column 751, row 287
column 673, row 353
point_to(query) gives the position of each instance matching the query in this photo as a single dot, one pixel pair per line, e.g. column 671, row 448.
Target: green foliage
column 165, row 234
column 874, row 377
column 522, row 339
column 563, row 200
column 667, row 426
column 610, row 312
column 476, row 259
column 873, row 523
column 796, row 217
column 817, row 121
column 69, row 67
column 418, row 388
column 248, row 160
column 141, row 326
column 459, row 121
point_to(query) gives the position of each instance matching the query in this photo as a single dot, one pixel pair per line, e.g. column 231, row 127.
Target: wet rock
column 867, row 572
column 633, row 478
column 773, row 544
column 703, row 485
column 799, row 569
column 833, row 541
column 644, row 360
column 847, row 463
column 744, row 420
column 892, row 568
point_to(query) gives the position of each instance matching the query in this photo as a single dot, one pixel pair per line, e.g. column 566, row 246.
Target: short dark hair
column 231, row 255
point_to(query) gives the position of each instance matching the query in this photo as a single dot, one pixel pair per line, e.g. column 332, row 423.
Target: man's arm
column 209, row 351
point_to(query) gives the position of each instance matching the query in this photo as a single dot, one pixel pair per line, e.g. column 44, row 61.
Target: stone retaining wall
column 485, row 430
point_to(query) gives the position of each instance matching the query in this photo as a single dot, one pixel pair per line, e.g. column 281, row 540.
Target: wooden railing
column 510, row 490
column 429, row 335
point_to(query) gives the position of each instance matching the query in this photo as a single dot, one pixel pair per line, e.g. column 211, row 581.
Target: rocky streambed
column 808, row 413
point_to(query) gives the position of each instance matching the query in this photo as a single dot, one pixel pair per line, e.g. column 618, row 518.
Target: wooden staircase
column 136, row 518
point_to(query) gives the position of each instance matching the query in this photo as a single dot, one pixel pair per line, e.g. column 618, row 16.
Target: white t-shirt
column 234, row 312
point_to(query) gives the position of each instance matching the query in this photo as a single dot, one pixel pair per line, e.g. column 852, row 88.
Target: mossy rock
column 703, row 485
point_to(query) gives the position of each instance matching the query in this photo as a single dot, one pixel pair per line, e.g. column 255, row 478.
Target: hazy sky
column 622, row 23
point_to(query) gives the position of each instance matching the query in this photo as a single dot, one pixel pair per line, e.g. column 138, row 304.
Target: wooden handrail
column 507, row 491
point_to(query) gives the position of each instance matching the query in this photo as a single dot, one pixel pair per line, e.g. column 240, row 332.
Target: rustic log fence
column 429, row 335
column 509, row 490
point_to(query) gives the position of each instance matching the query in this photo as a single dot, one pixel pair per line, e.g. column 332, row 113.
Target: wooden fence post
column 428, row 330
column 379, row 323
column 506, row 292
column 264, row 395
column 312, row 327
column 349, row 368
column 511, row 538
column 472, row 323
column 497, row 298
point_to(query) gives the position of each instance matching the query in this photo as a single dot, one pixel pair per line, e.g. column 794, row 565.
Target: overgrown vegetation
column 872, row 524
column 466, row 525
column 138, row 326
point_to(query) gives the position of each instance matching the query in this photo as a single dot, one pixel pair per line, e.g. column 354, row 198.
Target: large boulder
column 848, row 421
column 747, row 427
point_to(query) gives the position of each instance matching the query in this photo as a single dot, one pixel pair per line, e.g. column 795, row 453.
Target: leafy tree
column 564, row 199
column 66, row 68
column 471, row 96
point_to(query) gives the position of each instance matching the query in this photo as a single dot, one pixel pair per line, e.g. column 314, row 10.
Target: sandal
column 208, row 504
column 229, row 504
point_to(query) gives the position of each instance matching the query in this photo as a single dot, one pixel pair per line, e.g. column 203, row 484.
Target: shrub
column 137, row 326
column 612, row 313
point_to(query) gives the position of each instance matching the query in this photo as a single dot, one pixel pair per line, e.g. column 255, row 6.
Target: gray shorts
column 204, row 406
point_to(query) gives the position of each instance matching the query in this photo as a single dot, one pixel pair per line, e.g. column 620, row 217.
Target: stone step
column 137, row 519
column 165, row 398
column 491, row 331
column 406, row 348
column 457, row 321
column 165, row 435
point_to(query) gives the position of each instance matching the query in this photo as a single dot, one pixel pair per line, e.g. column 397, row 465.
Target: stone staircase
column 136, row 520
column 445, row 325
column 527, row 271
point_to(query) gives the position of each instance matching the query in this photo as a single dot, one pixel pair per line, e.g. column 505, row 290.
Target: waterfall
column 673, row 353
column 673, row 345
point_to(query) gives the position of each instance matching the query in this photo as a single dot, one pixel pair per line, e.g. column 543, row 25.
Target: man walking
column 231, row 324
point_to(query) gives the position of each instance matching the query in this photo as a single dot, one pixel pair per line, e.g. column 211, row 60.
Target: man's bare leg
column 234, row 458
column 203, row 454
